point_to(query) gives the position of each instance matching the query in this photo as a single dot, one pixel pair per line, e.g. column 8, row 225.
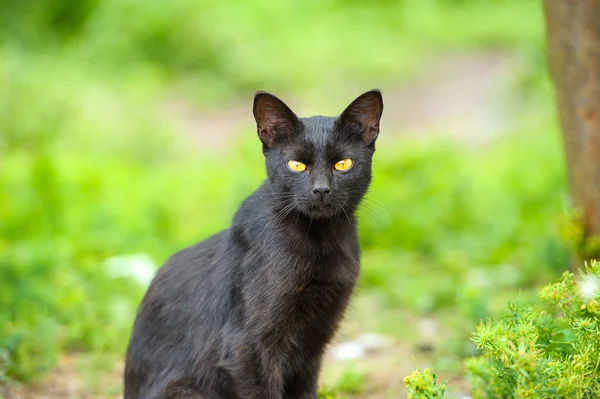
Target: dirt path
column 454, row 96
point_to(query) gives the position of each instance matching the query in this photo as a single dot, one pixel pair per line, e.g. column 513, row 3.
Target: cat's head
column 318, row 166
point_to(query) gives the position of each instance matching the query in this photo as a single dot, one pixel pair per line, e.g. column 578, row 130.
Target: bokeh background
column 126, row 133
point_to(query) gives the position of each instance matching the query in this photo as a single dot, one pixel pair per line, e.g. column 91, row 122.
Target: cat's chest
column 323, row 285
column 304, row 293
column 319, row 270
column 322, row 294
column 315, row 308
column 322, row 256
column 306, row 282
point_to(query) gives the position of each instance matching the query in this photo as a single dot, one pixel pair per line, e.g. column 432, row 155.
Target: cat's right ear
column 273, row 118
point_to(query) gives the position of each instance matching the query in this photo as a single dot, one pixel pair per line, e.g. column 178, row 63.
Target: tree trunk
column 573, row 37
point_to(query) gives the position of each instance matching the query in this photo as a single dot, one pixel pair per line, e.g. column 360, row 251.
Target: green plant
column 423, row 385
column 571, row 231
column 549, row 351
column 352, row 381
column 553, row 352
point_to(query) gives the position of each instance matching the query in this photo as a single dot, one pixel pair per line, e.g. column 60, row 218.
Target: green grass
column 209, row 50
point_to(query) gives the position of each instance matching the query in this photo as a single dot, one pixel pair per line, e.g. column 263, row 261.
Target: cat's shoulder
column 201, row 250
column 254, row 207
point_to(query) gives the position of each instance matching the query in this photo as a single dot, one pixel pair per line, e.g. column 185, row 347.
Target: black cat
column 248, row 312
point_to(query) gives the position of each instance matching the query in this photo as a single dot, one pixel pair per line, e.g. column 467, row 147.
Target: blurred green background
column 126, row 133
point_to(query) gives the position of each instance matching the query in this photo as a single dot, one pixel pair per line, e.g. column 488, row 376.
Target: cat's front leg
column 255, row 375
column 185, row 389
column 303, row 384
column 309, row 391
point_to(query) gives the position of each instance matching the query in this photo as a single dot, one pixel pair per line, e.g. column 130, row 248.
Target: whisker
column 277, row 198
column 378, row 204
column 282, row 213
column 277, row 194
column 347, row 217
column 373, row 217
column 376, row 192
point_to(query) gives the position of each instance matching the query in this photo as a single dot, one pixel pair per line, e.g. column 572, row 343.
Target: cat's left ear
column 363, row 114
column 274, row 119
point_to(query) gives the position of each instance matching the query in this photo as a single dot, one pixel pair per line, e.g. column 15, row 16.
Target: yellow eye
column 296, row 166
column 344, row 164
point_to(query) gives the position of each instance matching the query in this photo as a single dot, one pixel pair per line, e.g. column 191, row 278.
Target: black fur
column 248, row 312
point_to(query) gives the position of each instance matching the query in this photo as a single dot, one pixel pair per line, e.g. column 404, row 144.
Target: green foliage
column 438, row 208
column 423, row 385
column 73, row 193
column 544, row 352
column 352, row 381
column 571, row 231
column 212, row 49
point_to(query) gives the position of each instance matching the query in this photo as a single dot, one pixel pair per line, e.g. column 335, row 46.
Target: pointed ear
column 363, row 114
column 273, row 118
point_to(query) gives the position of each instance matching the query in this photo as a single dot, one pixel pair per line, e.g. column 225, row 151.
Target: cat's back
column 180, row 313
column 186, row 272
column 186, row 283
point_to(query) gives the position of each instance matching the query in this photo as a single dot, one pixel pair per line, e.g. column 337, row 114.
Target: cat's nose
column 321, row 191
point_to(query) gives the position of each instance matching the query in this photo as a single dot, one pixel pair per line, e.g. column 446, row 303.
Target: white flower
column 588, row 286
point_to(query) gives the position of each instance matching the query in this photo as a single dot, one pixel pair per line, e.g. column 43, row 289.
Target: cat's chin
column 322, row 212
